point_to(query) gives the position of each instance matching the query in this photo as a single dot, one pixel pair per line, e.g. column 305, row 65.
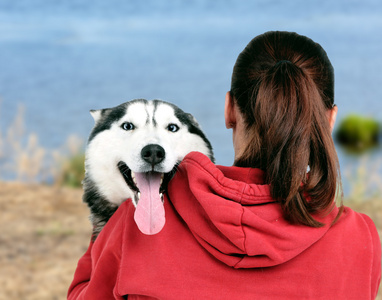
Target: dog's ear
column 97, row 114
column 193, row 120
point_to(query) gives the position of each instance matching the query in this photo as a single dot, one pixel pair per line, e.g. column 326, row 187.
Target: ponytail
column 289, row 134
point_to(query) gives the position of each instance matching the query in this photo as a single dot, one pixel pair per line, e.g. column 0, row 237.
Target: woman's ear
column 332, row 115
column 229, row 111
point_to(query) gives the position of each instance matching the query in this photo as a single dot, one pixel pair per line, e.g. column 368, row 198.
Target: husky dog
column 133, row 152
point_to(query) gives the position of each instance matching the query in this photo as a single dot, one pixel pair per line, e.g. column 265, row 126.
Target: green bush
column 73, row 171
column 358, row 133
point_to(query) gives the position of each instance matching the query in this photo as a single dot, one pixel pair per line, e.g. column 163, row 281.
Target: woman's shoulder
column 358, row 220
column 359, row 231
column 357, row 223
column 354, row 242
column 363, row 232
column 372, row 230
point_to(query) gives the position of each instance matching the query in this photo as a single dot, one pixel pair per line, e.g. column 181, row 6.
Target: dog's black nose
column 153, row 154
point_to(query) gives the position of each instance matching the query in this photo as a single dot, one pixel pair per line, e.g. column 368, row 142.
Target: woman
column 266, row 228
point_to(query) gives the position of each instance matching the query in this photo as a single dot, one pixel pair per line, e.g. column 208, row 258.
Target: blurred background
column 59, row 59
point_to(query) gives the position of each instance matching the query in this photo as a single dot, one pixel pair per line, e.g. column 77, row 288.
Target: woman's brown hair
column 283, row 85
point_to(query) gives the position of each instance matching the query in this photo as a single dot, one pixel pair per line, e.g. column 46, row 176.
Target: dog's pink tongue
column 149, row 213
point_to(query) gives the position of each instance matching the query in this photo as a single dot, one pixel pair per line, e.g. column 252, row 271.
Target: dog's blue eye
column 128, row 126
column 173, row 127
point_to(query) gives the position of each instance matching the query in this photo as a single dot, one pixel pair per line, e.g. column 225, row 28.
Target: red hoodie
column 226, row 238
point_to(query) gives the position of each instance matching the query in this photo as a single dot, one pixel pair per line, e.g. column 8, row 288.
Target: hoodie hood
column 231, row 213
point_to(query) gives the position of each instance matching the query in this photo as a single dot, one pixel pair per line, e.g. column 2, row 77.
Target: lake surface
column 59, row 59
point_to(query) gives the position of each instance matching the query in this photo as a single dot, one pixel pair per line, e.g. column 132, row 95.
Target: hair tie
column 283, row 61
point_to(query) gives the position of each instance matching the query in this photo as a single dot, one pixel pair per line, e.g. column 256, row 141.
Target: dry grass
column 45, row 231
column 364, row 179
column 23, row 159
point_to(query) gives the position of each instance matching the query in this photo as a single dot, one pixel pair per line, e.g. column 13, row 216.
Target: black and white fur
column 121, row 143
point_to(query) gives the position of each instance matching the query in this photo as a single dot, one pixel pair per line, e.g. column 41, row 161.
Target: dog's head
column 134, row 149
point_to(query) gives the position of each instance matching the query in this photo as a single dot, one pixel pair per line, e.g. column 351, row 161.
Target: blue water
column 62, row 58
